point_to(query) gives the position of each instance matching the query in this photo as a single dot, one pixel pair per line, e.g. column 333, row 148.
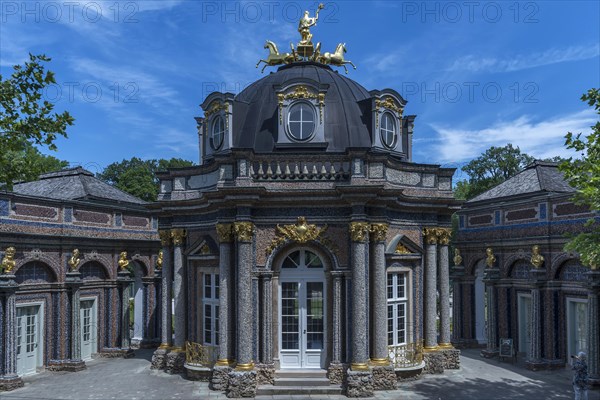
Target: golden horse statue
column 337, row 58
column 274, row 57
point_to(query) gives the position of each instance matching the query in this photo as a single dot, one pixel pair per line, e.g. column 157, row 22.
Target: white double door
column 29, row 339
column 88, row 319
column 302, row 321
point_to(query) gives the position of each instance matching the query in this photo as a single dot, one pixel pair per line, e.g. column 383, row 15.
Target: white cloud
column 477, row 63
column 539, row 139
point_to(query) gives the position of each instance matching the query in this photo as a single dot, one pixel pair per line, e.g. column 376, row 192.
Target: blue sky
column 476, row 74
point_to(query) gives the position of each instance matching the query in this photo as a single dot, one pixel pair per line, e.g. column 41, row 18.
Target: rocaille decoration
column 300, row 232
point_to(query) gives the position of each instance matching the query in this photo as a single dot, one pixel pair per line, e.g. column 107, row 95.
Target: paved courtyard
column 133, row 379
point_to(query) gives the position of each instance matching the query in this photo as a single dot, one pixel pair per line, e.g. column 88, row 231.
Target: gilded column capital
column 359, row 231
column 178, row 235
column 443, row 235
column 165, row 237
column 243, row 231
column 430, row 235
column 225, row 233
column 379, row 231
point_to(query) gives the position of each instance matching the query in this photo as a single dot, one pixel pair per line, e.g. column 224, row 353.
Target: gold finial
column 491, row 258
column 159, row 260
column 123, row 261
column 8, row 262
column 457, row 258
column 74, row 260
column 536, row 258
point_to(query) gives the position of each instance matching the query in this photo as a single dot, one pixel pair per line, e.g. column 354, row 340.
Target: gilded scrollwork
column 215, row 107
column 379, row 231
column 300, row 232
column 74, row 260
column 359, row 231
column 178, row 236
column 389, row 103
column 300, row 92
column 243, row 231
column 8, row 262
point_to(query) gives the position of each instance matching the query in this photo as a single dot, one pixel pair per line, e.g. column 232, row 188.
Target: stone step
column 285, row 381
column 268, row 390
column 301, row 373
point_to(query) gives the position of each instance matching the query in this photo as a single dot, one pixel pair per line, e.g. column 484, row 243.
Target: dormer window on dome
column 215, row 128
column 301, row 114
column 387, row 128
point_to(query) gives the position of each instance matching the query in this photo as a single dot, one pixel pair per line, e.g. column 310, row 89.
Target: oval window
column 217, row 132
column 387, row 130
column 301, row 121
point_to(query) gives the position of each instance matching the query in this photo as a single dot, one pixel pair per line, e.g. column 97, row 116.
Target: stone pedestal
column 9, row 380
column 359, row 384
column 384, row 378
column 220, row 378
column 174, row 361
column 434, row 362
column 265, row 374
column 159, row 358
column 242, row 384
column 335, row 373
column 451, row 358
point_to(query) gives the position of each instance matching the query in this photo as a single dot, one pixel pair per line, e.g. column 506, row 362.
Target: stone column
column 225, row 358
column 444, row 283
column 9, row 380
column 242, row 381
column 159, row 358
column 593, row 333
column 534, row 362
column 124, row 281
column 176, row 356
column 335, row 371
column 73, row 281
column 384, row 376
column 360, row 378
column 490, row 277
column 458, row 271
column 430, row 297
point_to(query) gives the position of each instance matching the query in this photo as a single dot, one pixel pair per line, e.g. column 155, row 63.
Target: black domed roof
column 346, row 115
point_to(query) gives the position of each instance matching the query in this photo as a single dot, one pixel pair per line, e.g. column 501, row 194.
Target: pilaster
column 176, row 356
column 490, row 277
column 9, row 380
column 593, row 334
column 430, row 297
column 163, row 267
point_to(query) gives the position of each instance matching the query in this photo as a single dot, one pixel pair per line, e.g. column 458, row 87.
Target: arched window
column 302, row 259
column 92, row 271
column 35, row 272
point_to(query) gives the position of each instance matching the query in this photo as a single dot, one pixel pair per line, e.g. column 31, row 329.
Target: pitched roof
column 74, row 184
column 539, row 176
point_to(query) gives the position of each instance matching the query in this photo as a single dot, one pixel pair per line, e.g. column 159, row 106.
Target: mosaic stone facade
column 46, row 289
column 262, row 217
column 536, row 212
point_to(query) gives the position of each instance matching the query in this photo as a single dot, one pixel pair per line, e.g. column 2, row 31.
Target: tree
column 584, row 175
column 26, row 117
column 493, row 167
column 138, row 177
column 26, row 163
